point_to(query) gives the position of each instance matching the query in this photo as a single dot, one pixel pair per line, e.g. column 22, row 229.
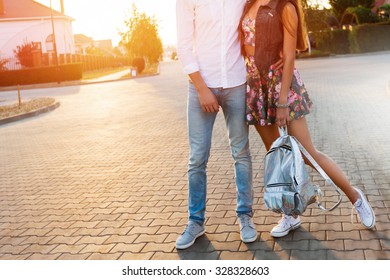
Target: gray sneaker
column 248, row 231
column 366, row 214
column 190, row 234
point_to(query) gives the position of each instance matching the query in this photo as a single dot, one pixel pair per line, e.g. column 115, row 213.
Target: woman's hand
column 290, row 31
column 283, row 116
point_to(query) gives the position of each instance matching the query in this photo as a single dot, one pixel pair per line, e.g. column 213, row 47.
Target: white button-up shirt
column 208, row 40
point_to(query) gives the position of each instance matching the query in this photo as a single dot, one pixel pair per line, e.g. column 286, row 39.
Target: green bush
column 362, row 14
column 174, row 56
column 66, row 72
column 384, row 11
column 139, row 63
column 24, row 53
column 322, row 40
column 360, row 38
column 370, row 38
column 333, row 41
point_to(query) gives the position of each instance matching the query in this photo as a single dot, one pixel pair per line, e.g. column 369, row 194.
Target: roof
column 82, row 39
column 17, row 9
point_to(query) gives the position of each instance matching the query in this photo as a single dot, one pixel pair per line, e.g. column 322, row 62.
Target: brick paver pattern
column 104, row 175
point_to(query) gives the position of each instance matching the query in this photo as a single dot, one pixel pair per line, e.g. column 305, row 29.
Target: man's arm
column 207, row 99
column 185, row 20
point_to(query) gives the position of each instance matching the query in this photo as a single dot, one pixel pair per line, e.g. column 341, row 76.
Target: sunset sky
column 101, row 19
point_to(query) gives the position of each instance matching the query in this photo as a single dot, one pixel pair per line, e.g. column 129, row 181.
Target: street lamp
column 54, row 43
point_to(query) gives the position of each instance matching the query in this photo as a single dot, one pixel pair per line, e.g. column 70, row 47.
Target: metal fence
column 89, row 62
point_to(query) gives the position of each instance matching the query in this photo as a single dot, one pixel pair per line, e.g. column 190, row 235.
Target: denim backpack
column 288, row 187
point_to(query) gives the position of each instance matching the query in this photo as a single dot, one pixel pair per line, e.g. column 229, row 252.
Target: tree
column 92, row 50
column 359, row 15
column 24, row 53
column 317, row 19
column 141, row 38
column 339, row 6
column 3, row 62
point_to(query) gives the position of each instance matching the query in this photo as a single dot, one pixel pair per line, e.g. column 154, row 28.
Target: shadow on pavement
column 201, row 250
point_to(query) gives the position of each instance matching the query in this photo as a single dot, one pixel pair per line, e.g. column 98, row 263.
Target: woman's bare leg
column 268, row 134
column 299, row 129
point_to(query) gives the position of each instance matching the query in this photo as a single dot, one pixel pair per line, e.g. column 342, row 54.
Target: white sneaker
column 284, row 226
column 366, row 214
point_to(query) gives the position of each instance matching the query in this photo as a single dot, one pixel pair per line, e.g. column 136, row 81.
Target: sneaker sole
column 249, row 240
column 185, row 246
column 372, row 211
column 284, row 233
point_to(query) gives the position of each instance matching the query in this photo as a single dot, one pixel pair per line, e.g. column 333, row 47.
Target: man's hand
column 208, row 101
column 279, row 63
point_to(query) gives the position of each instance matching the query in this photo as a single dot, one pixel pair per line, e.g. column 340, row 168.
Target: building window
column 49, row 43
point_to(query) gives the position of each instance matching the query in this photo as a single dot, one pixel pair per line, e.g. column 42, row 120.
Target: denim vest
column 268, row 36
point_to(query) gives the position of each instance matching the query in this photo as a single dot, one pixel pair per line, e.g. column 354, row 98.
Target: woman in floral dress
column 270, row 29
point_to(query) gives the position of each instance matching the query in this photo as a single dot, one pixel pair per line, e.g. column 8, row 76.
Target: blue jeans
column 200, row 126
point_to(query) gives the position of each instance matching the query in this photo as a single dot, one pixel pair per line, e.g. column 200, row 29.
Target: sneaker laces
column 360, row 208
column 284, row 221
column 190, row 228
column 245, row 221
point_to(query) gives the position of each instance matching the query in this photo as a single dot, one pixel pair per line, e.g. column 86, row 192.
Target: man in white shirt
column 209, row 51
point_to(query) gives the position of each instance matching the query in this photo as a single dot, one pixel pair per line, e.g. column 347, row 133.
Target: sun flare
column 100, row 20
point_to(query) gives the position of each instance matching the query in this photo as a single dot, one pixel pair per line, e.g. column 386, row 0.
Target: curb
column 37, row 112
column 74, row 83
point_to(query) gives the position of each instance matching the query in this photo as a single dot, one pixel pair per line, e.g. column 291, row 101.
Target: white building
column 28, row 21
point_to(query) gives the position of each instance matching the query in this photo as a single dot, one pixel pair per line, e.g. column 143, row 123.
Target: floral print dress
column 263, row 89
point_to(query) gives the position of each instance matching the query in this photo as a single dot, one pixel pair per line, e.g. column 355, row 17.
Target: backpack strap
column 283, row 132
column 323, row 174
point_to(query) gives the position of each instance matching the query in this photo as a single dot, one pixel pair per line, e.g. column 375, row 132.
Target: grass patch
column 100, row 73
column 28, row 106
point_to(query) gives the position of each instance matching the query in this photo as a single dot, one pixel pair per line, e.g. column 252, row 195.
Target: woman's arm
column 290, row 29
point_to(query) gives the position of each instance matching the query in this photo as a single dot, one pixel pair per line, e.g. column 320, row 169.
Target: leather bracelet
column 282, row 105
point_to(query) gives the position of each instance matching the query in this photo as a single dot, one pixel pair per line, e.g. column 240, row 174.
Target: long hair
column 248, row 5
column 301, row 32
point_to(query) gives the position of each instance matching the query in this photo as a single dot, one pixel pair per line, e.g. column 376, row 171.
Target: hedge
column 65, row 72
column 336, row 41
column 370, row 38
column 358, row 39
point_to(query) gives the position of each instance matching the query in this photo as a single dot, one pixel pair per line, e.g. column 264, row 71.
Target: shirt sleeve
column 185, row 21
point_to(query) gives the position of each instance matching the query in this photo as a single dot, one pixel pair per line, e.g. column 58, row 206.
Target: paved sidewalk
column 110, row 77
column 104, row 175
